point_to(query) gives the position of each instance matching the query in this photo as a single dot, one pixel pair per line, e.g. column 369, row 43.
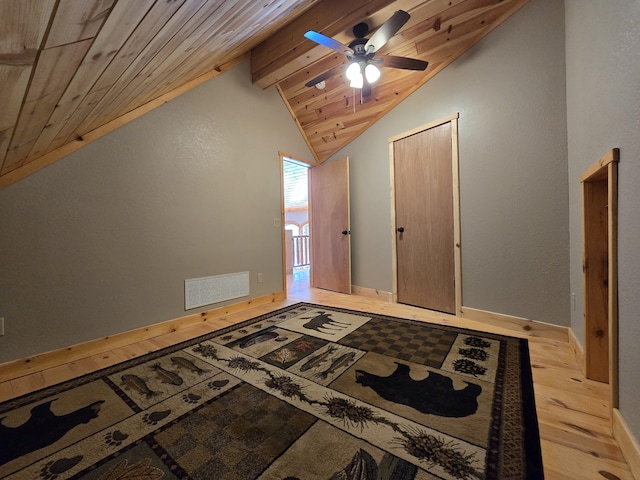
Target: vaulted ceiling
column 72, row 71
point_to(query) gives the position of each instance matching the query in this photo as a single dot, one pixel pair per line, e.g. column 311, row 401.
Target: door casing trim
column 605, row 170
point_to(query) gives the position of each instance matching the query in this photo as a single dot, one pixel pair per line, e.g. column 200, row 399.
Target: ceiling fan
column 362, row 71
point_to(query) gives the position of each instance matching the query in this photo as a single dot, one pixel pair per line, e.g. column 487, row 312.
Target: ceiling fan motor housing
column 359, row 51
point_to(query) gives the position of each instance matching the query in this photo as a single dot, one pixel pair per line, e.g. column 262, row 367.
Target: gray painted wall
column 509, row 90
column 603, row 104
column 102, row 241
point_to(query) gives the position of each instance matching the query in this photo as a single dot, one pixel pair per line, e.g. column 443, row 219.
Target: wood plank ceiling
column 73, row 70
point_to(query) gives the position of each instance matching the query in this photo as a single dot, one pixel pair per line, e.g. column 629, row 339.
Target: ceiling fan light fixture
column 372, row 73
column 353, row 71
column 357, row 81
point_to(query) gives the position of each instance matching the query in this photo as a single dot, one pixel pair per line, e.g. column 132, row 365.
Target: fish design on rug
column 43, row 428
column 338, row 363
column 258, row 338
column 167, row 376
column 432, row 395
column 187, row 364
column 317, row 360
column 324, row 321
column 134, row 382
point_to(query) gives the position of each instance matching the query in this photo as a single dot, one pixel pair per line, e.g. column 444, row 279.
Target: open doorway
column 295, row 181
column 600, row 267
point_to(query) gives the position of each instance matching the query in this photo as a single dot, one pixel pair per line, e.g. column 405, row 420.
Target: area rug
column 304, row 392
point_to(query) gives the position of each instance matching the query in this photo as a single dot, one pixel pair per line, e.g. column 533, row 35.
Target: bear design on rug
column 42, row 429
column 433, row 395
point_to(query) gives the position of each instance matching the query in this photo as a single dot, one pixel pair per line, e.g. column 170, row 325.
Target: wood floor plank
column 574, row 464
column 547, row 396
column 600, row 446
column 6, row 391
column 567, row 380
column 556, row 354
column 27, row 384
column 58, row 374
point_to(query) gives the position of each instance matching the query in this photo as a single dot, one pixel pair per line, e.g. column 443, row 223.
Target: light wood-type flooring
column 573, row 412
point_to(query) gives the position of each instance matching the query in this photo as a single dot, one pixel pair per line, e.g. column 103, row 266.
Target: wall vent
column 208, row 290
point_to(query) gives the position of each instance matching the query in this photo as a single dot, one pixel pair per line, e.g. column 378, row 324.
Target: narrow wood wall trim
column 372, row 293
column 457, row 224
column 611, row 156
column 283, row 236
column 612, row 170
column 576, row 347
column 54, row 358
column 394, row 241
column 626, row 441
column 521, row 325
column 297, row 158
column 297, row 122
column 55, row 155
column 422, row 128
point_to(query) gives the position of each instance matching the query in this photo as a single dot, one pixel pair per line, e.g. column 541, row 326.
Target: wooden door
column 424, row 218
column 330, row 228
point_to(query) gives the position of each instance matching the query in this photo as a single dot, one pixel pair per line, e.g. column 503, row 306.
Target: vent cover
column 208, row 290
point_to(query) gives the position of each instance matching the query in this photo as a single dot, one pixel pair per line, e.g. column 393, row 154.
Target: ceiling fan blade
column 403, row 62
column 323, row 76
column 327, row 42
column 387, row 30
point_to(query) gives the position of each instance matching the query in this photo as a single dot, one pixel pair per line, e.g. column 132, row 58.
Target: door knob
column 346, row 232
column 400, row 229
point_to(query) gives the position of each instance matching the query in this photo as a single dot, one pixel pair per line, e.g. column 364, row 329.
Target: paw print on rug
column 217, row 384
column 154, row 417
column 191, row 398
column 52, row 469
column 115, row 438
